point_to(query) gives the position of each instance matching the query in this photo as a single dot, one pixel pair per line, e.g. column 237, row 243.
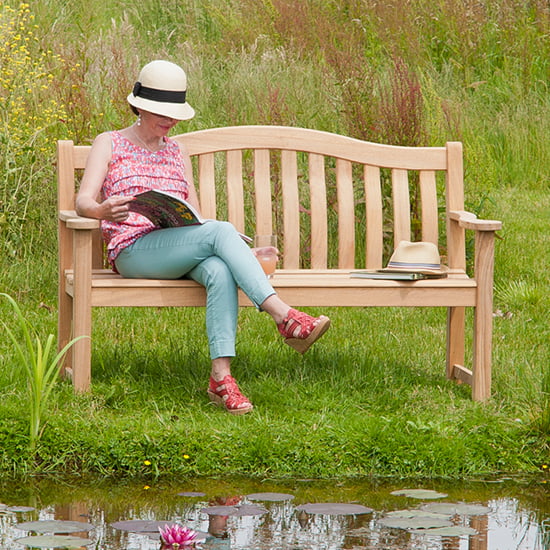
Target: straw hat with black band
column 161, row 89
column 416, row 257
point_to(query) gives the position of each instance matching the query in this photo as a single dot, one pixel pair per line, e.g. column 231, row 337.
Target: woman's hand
column 115, row 208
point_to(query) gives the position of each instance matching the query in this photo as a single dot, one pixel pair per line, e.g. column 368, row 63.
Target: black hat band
column 164, row 96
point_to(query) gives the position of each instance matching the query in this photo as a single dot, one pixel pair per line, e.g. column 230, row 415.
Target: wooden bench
column 337, row 203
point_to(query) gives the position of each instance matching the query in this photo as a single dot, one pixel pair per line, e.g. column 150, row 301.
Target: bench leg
column 483, row 317
column 455, row 339
column 64, row 326
column 82, row 311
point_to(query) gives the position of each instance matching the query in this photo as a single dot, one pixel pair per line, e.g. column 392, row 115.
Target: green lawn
column 371, row 398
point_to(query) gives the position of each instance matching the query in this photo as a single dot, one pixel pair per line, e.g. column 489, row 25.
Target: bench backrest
column 334, row 201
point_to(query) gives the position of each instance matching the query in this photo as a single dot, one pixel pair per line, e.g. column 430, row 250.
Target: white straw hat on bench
column 416, row 257
column 161, row 89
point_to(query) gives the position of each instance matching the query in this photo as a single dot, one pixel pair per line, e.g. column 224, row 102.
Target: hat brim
column 441, row 272
column 178, row 111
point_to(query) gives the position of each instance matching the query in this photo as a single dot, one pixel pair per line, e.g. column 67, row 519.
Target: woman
column 124, row 163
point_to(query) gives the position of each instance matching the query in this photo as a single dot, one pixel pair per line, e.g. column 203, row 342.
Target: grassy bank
column 371, row 398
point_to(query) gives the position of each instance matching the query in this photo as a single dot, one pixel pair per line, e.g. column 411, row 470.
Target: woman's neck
column 152, row 144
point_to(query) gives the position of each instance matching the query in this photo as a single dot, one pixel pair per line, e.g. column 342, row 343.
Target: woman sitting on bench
column 124, row 163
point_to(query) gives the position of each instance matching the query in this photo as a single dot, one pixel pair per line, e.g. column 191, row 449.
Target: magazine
column 395, row 275
column 166, row 210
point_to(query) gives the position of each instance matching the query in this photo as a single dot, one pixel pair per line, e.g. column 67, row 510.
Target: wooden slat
column 65, row 175
column 319, row 228
column 346, row 215
column 401, row 207
column 374, row 225
column 262, row 187
column 207, row 186
column 428, row 200
column 299, row 287
column 80, row 156
column 462, row 373
column 82, row 309
column 456, row 239
column 235, row 194
column 291, row 213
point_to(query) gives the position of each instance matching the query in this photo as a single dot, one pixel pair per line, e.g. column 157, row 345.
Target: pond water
column 510, row 514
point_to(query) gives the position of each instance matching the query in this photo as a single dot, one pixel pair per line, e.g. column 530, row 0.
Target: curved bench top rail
column 315, row 141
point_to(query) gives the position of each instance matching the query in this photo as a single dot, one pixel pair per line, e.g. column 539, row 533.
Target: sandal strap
column 297, row 324
column 228, row 390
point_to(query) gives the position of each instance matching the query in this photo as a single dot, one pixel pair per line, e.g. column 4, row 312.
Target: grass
column 371, row 398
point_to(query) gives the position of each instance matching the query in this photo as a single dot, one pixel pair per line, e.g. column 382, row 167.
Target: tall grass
column 414, row 72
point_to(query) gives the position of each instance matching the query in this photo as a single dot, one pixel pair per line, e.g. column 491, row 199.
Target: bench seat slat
column 300, row 287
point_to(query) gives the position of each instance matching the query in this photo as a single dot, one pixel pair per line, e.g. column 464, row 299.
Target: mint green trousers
column 214, row 255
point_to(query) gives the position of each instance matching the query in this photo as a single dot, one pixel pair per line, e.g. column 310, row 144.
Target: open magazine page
column 166, row 210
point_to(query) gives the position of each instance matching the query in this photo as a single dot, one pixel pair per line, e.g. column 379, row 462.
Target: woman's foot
column 302, row 330
column 226, row 394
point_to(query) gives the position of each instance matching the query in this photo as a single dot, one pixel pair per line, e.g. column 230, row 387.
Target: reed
column 40, row 363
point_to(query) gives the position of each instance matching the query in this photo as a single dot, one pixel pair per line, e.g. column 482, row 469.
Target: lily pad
column 20, row 509
column 55, row 526
column 140, row 525
column 250, row 510
column 417, row 514
column 423, row 494
column 220, row 510
column 454, row 531
column 457, row 508
column 334, row 509
column 420, row 522
column 191, row 494
column 54, row 541
column 270, row 497
column 236, row 511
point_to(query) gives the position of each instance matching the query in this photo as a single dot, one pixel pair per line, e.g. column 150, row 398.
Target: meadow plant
column 28, row 113
column 41, row 368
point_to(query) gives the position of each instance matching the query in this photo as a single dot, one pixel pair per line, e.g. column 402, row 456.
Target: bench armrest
column 468, row 220
column 74, row 221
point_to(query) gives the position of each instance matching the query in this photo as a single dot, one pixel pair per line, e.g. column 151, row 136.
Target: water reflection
column 514, row 521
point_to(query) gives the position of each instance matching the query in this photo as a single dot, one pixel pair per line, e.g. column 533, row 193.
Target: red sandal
column 301, row 330
column 226, row 394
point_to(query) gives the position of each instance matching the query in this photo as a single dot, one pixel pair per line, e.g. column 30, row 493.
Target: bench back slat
column 235, row 195
column 291, row 212
column 318, row 201
column 346, row 214
column 263, row 192
column 207, row 185
column 428, row 201
column 401, row 206
column 374, row 234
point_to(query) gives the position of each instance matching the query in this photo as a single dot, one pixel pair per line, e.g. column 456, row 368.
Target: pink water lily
column 176, row 536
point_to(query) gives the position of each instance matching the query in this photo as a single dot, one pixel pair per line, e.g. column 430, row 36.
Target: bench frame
column 84, row 283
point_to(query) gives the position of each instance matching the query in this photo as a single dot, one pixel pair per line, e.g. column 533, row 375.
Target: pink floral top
column 133, row 170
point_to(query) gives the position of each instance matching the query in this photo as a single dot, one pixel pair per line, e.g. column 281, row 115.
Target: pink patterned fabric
column 133, row 170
